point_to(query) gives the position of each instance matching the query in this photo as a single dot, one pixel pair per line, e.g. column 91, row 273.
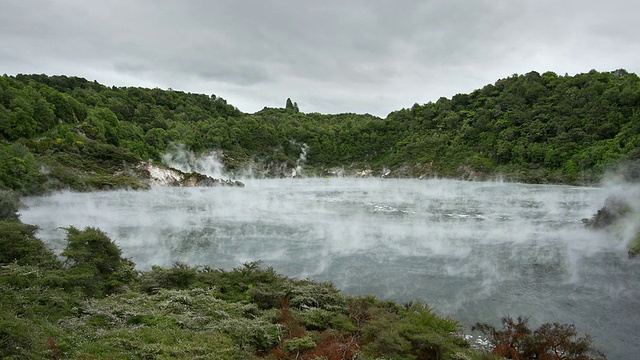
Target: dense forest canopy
column 68, row 132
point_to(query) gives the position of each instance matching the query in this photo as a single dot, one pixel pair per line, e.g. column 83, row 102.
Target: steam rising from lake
column 473, row 250
column 179, row 157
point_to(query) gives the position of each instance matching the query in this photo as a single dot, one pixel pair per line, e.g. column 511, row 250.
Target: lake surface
column 472, row 250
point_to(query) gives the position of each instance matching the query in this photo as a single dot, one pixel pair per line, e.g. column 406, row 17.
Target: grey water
column 472, row 250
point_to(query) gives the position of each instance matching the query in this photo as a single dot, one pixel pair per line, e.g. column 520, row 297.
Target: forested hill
column 59, row 131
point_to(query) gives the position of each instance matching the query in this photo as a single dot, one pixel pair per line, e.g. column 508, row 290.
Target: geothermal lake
column 472, row 250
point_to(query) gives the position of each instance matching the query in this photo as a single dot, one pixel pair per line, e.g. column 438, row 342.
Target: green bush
column 412, row 332
column 181, row 276
column 95, row 262
column 20, row 170
column 18, row 244
column 297, row 345
column 9, row 205
column 20, row 338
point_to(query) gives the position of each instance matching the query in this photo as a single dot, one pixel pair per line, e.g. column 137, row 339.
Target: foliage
column 165, row 322
column 95, row 262
column 19, row 245
column 94, row 305
column 20, row 169
column 20, row 337
column 298, row 345
column 413, row 332
column 9, row 205
column 61, row 131
column 551, row 341
column 181, row 276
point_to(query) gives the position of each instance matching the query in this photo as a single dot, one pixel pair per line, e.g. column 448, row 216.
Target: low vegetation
column 551, row 341
column 93, row 304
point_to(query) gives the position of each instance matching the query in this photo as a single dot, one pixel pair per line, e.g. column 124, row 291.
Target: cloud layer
column 330, row 56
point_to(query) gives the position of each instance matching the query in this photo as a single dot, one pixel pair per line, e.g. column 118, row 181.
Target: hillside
column 68, row 132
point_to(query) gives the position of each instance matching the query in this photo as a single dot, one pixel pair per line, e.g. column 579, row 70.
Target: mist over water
column 179, row 157
column 473, row 250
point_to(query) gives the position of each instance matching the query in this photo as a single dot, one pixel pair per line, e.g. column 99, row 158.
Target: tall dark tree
column 289, row 105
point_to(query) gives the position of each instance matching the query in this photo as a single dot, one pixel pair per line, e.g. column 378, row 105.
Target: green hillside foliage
column 546, row 127
column 92, row 305
column 59, row 131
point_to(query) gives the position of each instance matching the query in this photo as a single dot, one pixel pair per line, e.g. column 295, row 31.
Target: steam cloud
column 211, row 163
column 623, row 184
column 179, row 157
column 471, row 249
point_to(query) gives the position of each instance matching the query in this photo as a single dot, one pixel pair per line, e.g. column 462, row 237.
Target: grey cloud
column 338, row 56
column 239, row 75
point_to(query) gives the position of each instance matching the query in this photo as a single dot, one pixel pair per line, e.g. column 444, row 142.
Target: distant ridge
column 68, row 132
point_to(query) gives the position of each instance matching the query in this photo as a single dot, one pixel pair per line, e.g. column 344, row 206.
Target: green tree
column 95, row 262
column 19, row 121
column 19, row 169
column 18, row 244
column 103, row 125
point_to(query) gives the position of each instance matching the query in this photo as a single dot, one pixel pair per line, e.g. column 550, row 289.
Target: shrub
column 298, row 345
column 180, row 276
column 95, row 262
column 19, row 338
column 19, row 244
column 412, row 332
column 9, row 205
column 551, row 341
column 237, row 284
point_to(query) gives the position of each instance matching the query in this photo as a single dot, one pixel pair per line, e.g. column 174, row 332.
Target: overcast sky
column 329, row 56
